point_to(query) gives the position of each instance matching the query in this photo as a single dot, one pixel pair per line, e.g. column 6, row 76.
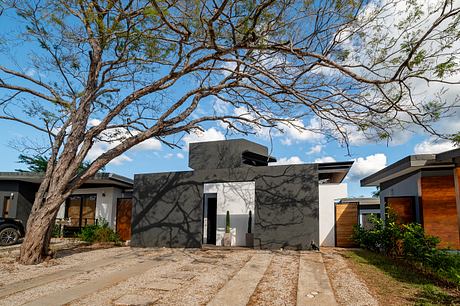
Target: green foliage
column 38, row 164
column 456, row 139
column 100, row 232
column 410, row 242
column 56, row 232
column 384, row 236
column 446, row 67
column 416, row 245
column 227, row 222
column 250, row 222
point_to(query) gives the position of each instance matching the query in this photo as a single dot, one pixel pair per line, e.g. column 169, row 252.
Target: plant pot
column 250, row 240
column 227, row 241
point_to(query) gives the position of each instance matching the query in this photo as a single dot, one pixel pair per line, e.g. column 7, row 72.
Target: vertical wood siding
column 346, row 216
column 403, row 207
column 440, row 209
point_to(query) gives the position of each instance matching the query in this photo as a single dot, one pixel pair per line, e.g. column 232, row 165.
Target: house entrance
column 210, row 218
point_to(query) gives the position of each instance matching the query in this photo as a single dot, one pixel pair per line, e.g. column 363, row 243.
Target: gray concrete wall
column 221, row 154
column 167, row 208
column 24, row 195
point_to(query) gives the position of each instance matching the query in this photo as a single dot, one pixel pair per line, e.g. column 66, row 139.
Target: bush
column 56, row 232
column 100, row 232
column 384, row 236
column 416, row 245
column 411, row 243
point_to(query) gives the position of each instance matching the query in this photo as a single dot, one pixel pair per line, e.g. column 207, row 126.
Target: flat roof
column 361, row 200
column 412, row 163
column 335, row 171
column 103, row 178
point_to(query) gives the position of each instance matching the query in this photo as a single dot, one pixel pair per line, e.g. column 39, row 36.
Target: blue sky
column 291, row 147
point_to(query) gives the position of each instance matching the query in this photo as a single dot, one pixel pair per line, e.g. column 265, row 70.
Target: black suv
column 10, row 231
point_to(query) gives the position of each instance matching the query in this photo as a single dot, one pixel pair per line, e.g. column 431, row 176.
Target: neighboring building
column 350, row 212
column 291, row 204
column 424, row 188
column 96, row 199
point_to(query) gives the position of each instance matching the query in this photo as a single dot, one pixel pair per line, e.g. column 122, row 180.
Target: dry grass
column 394, row 283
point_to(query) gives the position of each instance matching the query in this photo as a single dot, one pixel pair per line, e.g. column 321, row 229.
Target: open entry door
column 210, row 218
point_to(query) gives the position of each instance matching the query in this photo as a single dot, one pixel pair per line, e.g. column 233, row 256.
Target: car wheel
column 8, row 236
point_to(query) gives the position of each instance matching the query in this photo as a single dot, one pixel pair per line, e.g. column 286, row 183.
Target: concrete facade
column 168, row 209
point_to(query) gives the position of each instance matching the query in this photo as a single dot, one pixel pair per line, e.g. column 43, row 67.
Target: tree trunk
column 35, row 247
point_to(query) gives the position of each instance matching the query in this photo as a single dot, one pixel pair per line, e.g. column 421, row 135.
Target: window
column 81, row 209
column 365, row 223
column 6, row 206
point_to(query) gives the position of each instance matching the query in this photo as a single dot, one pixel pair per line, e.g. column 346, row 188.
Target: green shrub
column 100, row 232
column 56, row 232
column 227, row 222
column 416, row 245
column 383, row 236
column 411, row 243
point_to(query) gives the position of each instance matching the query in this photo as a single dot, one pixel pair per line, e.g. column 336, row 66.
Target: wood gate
column 124, row 213
column 346, row 217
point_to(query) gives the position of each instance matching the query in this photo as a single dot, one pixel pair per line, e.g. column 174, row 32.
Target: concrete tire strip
column 73, row 293
column 51, row 277
column 314, row 287
column 239, row 289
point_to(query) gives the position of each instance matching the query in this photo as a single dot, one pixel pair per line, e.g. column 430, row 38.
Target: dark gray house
column 187, row 209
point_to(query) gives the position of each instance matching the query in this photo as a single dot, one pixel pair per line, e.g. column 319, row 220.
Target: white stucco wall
column 238, row 198
column 328, row 194
column 106, row 206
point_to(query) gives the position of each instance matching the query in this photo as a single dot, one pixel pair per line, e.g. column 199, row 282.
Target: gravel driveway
column 133, row 276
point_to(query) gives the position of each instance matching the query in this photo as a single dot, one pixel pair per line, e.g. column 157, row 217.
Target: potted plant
column 249, row 234
column 227, row 236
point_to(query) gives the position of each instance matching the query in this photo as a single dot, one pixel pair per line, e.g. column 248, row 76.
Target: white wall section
column 328, row 194
column 238, row 198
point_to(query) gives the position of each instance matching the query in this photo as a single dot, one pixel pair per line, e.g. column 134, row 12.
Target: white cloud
column 111, row 138
column 169, row 156
column 99, row 148
column 430, row 146
column 325, row 159
column 298, row 132
column 365, row 166
column 211, row 134
column 180, row 155
column 94, row 122
column 293, row 160
column 315, row 149
column 149, row 144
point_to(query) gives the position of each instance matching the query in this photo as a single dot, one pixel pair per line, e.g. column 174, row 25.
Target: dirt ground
column 82, row 275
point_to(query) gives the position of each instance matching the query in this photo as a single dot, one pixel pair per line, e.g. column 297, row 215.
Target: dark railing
column 72, row 226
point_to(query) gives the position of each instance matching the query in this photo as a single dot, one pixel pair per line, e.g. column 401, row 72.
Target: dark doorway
column 211, row 217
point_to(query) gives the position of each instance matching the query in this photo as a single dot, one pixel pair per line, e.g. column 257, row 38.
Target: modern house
column 350, row 212
column 102, row 197
column 424, row 188
column 291, row 205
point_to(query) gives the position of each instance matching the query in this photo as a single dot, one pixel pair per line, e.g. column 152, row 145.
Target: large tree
column 128, row 71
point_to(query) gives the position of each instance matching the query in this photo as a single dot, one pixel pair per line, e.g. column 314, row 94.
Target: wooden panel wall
column 124, row 213
column 440, row 209
column 403, row 207
column 346, row 216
